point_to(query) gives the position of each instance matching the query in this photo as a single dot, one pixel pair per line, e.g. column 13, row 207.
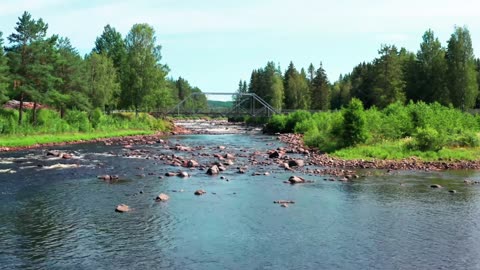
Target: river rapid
column 56, row 214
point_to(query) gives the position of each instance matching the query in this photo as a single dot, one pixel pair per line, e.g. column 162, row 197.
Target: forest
column 435, row 73
column 120, row 73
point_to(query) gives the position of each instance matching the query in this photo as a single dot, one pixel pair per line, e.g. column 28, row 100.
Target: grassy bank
column 30, row 140
column 74, row 126
column 430, row 132
column 396, row 150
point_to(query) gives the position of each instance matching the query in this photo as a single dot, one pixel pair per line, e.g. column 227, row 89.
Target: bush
column 354, row 129
column 78, row 121
column 276, row 124
column 96, row 117
column 294, row 118
column 428, row 139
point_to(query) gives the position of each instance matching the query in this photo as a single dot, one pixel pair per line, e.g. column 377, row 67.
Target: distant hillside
column 220, row 104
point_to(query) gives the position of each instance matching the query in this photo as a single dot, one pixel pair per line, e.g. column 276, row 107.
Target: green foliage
column 276, row 124
column 428, row 139
column 294, row 118
column 354, row 124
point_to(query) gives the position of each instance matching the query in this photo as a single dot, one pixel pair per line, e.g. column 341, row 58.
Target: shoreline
column 295, row 145
column 122, row 140
column 295, row 141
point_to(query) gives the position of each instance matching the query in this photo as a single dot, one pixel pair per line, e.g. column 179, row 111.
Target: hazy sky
column 214, row 44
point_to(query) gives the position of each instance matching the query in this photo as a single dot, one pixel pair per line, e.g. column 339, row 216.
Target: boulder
column 435, row 186
column 213, row 170
column 66, row 156
column 192, row 163
column 295, row 180
column 183, row 174
column 54, row 153
column 199, row 192
column 170, row 174
column 122, row 208
column 228, row 162
column 162, row 197
column 275, row 154
column 228, row 156
column 296, row 163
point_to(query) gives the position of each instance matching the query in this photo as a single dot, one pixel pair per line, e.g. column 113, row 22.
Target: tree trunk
column 20, row 110
column 62, row 112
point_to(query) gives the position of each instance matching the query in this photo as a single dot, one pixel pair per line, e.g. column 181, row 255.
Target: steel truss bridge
column 244, row 104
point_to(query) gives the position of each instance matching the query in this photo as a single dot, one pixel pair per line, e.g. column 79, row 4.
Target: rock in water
column 296, row 163
column 436, row 186
column 122, row 208
column 192, row 163
column 213, row 170
column 162, row 197
column 200, row 192
column 296, row 180
column 183, row 174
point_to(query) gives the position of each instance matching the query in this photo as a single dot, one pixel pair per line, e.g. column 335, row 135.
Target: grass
column 30, row 140
column 398, row 149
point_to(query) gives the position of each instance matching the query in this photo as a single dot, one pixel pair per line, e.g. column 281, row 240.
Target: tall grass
column 429, row 131
column 75, row 125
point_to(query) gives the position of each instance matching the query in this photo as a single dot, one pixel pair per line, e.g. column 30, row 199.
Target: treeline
column 119, row 73
column 447, row 75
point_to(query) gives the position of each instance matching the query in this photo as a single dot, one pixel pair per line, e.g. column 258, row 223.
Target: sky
column 213, row 43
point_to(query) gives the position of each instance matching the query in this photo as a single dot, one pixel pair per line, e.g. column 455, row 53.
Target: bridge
column 243, row 104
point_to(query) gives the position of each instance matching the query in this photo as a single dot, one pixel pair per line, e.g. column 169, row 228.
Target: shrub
column 294, row 118
column 78, row 120
column 354, row 129
column 428, row 139
column 276, row 124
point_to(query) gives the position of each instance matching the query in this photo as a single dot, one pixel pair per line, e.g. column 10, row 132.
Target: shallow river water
column 63, row 218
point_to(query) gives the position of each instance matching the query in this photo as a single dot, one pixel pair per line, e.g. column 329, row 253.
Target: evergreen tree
column 389, row 84
column 111, row 44
column 4, row 73
column 70, row 88
column 320, row 90
column 429, row 84
column 31, row 58
column 462, row 79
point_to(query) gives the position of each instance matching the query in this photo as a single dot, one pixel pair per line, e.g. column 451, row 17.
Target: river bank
column 296, row 142
column 281, row 156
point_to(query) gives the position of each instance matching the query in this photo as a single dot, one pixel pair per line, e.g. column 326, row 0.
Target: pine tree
column 4, row 73
column 320, row 90
column 31, row 57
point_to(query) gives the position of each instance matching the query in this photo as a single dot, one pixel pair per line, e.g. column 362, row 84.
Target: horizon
column 214, row 44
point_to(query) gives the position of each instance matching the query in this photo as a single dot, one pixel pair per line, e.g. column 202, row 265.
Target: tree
column 354, row 129
column 4, row 73
column 362, row 81
column 103, row 86
column 111, row 44
column 31, row 58
column 311, row 73
column 70, row 88
column 320, row 90
column 143, row 72
column 462, row 81
column 430, row 72
column 296, row 89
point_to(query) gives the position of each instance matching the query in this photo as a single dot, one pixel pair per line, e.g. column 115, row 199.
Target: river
column 62, row 217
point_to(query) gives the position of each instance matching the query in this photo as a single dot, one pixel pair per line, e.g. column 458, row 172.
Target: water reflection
column 64, row 218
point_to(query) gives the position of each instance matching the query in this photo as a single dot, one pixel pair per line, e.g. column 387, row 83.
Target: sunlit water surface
column 54, row 218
